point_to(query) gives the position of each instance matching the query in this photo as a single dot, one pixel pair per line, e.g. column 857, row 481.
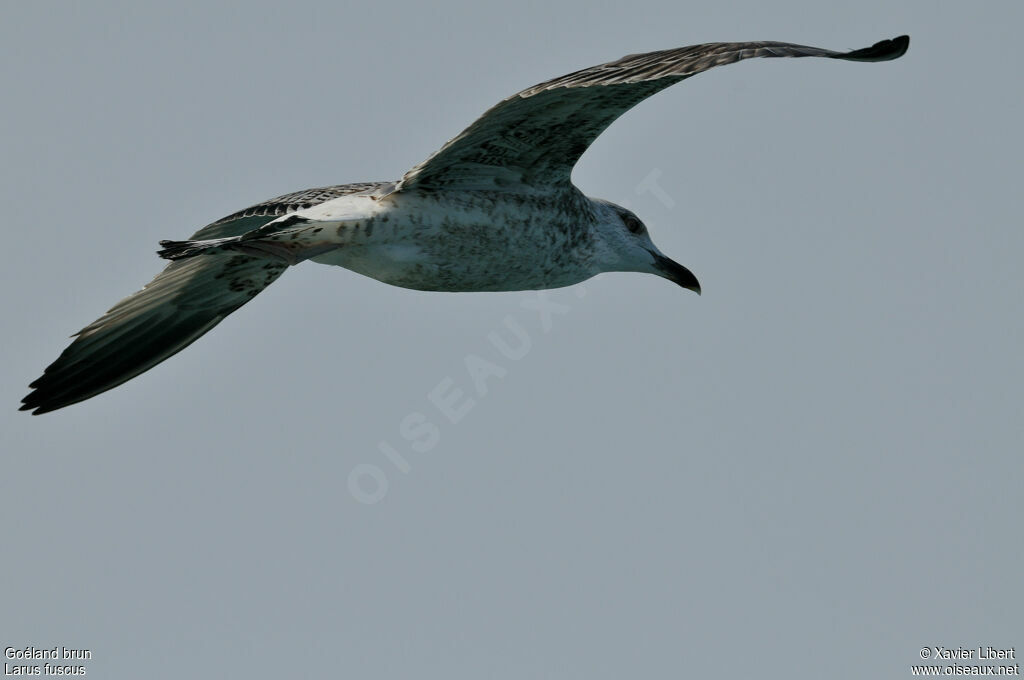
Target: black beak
column 673, row 271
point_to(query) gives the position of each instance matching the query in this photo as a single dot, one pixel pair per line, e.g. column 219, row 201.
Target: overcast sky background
column 814, row 469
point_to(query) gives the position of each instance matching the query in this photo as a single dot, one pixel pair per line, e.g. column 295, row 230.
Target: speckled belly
column 433, row 266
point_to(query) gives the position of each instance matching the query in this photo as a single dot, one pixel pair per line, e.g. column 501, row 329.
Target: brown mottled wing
column 184, row 301
column 535, row 137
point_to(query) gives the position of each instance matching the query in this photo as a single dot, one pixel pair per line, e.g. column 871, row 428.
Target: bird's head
column 623, row 245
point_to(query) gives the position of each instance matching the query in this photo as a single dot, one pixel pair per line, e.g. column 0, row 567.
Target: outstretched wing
column 184, row 301
column 535, row 137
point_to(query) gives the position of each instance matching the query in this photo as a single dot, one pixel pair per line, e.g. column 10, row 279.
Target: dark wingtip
column 884, row 50
column 35, row 401
column 29, row 403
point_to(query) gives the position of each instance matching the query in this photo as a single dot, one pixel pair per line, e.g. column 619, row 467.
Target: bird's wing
column 184, row 301
column 534, row 138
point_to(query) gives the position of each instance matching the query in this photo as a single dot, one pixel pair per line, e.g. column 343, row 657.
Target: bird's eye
column 633, row 224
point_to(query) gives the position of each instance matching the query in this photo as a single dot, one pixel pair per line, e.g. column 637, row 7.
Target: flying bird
column 493, row 210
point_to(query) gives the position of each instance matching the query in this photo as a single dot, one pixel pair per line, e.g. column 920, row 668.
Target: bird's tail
column 290, row 246
column 182, row 250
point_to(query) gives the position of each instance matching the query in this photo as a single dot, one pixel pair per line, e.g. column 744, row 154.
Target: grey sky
column 812, row 470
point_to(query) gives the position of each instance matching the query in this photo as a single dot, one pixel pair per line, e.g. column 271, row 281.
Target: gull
column 493, row 210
